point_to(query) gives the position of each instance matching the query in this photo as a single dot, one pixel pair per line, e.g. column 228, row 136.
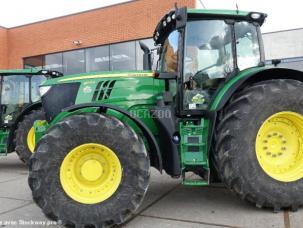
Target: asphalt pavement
column 167, row 204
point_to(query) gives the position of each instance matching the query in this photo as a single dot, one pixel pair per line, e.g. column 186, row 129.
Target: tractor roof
column 32, row 71
column 218, row 12
column 20, row 71
column 180, row 15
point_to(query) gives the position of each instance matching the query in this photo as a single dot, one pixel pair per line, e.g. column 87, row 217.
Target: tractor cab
column 203, row 49
column 19, row 88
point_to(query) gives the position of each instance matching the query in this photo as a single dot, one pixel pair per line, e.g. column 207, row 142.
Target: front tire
column 259, row 150
column 25, row 135
column 66, row 174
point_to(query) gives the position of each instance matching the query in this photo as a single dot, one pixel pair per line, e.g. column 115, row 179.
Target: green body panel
column 3, row 140
column 231, row 82
column 40, row 127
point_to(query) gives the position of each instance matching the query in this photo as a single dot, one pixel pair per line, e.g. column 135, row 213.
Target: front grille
column 103, row 90
column 60, row 96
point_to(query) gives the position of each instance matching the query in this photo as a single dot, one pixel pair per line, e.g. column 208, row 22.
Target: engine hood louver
column 103, row 90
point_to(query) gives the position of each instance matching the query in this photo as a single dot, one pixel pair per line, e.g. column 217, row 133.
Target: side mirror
column 147, row 56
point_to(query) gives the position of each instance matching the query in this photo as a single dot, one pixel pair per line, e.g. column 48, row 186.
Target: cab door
column 14, row 96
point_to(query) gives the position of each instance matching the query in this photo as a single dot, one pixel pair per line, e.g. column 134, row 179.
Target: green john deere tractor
column 19, row 108
column 212, row 108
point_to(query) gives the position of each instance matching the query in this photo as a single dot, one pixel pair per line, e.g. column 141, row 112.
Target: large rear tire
column 259, row 142
column 25, row 135
column 89, row 171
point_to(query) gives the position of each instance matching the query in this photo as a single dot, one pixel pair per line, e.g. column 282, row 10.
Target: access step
column 195, row 183
column 3, row 141
column 189, row 178
column 3, row 151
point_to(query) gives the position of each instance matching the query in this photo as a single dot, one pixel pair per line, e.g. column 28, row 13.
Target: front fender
column 155, row 154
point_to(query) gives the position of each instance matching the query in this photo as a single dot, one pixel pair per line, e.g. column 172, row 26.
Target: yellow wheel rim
column 90, row 173
column 31, row 139
column 279, row 146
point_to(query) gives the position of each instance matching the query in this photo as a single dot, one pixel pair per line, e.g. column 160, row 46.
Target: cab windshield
column 209, row 57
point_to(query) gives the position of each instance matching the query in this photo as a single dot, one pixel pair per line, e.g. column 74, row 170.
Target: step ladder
column 194, row 152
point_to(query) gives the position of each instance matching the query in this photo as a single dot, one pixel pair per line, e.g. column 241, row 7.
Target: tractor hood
column 123, row 89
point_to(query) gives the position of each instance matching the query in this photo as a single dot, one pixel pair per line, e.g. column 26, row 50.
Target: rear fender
column 250, row 76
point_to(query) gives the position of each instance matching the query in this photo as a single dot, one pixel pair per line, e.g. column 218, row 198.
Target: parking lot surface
column 167, row 204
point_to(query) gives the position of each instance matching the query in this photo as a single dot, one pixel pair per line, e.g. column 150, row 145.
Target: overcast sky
column 19, row 12
column 281, row 14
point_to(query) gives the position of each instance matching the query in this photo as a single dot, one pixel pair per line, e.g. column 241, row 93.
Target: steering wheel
column 201, row 76
column 204, row 69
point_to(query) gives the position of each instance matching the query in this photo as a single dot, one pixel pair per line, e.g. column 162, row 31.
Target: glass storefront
column 35, row 61
column 54, row 62
column 120, row 56
column 74, row 62
column 97, row 59
column 123, row 56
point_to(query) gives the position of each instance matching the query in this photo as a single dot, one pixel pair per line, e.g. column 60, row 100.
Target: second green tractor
column 20, row 107
column 212, row 108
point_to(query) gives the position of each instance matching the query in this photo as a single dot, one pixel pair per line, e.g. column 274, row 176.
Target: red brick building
column 101, row 35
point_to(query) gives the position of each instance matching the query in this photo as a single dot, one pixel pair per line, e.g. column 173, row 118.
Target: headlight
column 255, row 16
column 43, row 90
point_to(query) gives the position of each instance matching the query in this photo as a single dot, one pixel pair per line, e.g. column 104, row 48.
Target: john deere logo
column 198, row 99
column 87, row 89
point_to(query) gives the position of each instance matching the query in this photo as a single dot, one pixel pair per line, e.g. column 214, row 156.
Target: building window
column 97, row 59
column 122, row 56
column 54, row 62
column 36, row 80
column 32, row 62
column 74, row 62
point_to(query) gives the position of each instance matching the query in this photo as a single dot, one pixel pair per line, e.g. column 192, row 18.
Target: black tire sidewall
column 22, row 131
column 125, row 144
column 244, row 162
